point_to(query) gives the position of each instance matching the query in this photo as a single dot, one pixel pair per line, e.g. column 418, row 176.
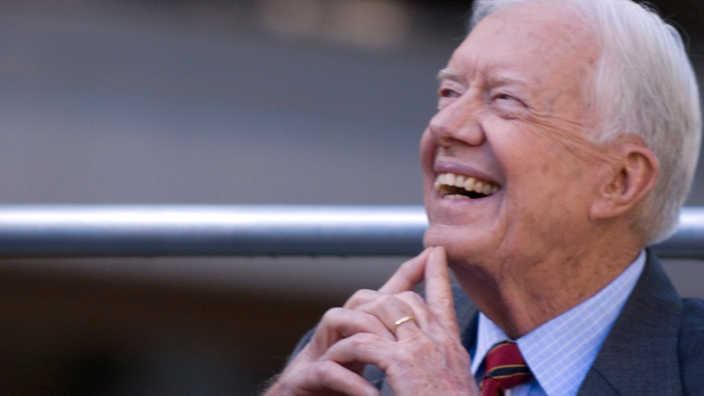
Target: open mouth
column 453, row 186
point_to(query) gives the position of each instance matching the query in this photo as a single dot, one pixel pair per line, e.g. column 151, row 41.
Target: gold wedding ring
column 402, row 321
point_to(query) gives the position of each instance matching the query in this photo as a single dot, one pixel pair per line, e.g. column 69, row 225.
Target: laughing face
column 509, row 172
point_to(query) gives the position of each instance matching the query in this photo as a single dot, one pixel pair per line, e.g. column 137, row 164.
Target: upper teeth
column 467, row 183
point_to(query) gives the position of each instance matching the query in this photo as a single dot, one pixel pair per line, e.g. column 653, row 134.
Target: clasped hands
column 423, row 356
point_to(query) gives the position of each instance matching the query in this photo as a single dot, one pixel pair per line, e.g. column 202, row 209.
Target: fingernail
column 371, row 391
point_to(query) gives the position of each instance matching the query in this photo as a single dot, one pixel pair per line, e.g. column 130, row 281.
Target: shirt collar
column 561, row 351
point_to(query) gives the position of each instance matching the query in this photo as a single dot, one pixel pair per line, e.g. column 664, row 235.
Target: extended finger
column 361, row 297
column 438, row 292
column 408, row 275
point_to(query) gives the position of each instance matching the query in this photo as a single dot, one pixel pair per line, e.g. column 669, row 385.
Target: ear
column 635, row 172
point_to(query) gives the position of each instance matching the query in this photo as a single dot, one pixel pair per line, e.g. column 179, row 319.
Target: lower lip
column 460, row 212
column 439, row 195
column 442, row 198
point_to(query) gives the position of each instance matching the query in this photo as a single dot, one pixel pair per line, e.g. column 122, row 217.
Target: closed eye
column 504, row 97
column 448, row 93
column 507, row 106
column 447, row 96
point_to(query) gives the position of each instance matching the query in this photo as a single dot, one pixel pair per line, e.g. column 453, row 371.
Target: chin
column 466, row 245
column 459, row 248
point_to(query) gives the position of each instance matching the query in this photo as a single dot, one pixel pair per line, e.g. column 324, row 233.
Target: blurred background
column 188, row 101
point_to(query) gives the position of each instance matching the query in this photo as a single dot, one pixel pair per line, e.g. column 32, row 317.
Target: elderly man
column 565, row 141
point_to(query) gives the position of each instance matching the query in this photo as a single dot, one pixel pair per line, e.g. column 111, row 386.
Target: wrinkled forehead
column 546, row 45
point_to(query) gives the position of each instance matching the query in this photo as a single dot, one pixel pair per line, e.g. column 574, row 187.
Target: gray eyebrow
column 448, row 74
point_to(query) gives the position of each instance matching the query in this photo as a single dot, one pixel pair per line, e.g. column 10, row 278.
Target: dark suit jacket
column 656, row 346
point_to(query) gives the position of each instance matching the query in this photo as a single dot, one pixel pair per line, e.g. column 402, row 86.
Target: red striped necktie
column 504, row 369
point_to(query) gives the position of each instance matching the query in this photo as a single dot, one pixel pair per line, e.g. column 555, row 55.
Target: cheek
column 553, row 194
column 548, row 183
column 543, row 183
column 427, row 159
column 427, row 150
column 536, row 161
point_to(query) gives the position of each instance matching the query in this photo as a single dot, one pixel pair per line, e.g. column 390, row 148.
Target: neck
column 526, row 294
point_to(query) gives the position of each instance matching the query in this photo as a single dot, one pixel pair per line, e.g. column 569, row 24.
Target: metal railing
column 243, row 230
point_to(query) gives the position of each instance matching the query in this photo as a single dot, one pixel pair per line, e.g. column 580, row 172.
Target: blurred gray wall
column 104, row 107
column 268, row 101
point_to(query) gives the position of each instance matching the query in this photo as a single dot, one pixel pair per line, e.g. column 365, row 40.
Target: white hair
column 644, row 84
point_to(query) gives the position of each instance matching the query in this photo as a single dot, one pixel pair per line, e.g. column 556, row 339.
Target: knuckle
column 360, row 296
column 409, row 353
column 323, row 371
column 381, row 303
column 412, row 297
column 365, row 343
column 355, row 342
column 358, row 340
column 331, row 314
column 386, row 299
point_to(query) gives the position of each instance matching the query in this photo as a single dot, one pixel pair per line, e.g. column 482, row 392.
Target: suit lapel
column 467, row 319
column 639, row 357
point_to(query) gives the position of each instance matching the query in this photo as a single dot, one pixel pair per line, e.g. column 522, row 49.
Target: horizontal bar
column 243, row 230
column 212, row 230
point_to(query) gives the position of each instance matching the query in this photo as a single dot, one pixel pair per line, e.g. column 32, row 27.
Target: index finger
column 438, row 292
column 408, row 275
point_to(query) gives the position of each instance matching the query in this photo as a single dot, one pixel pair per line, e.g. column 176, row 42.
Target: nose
column 458, row 122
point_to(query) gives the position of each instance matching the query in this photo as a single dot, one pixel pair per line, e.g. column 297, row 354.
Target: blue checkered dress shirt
column 561, row 351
